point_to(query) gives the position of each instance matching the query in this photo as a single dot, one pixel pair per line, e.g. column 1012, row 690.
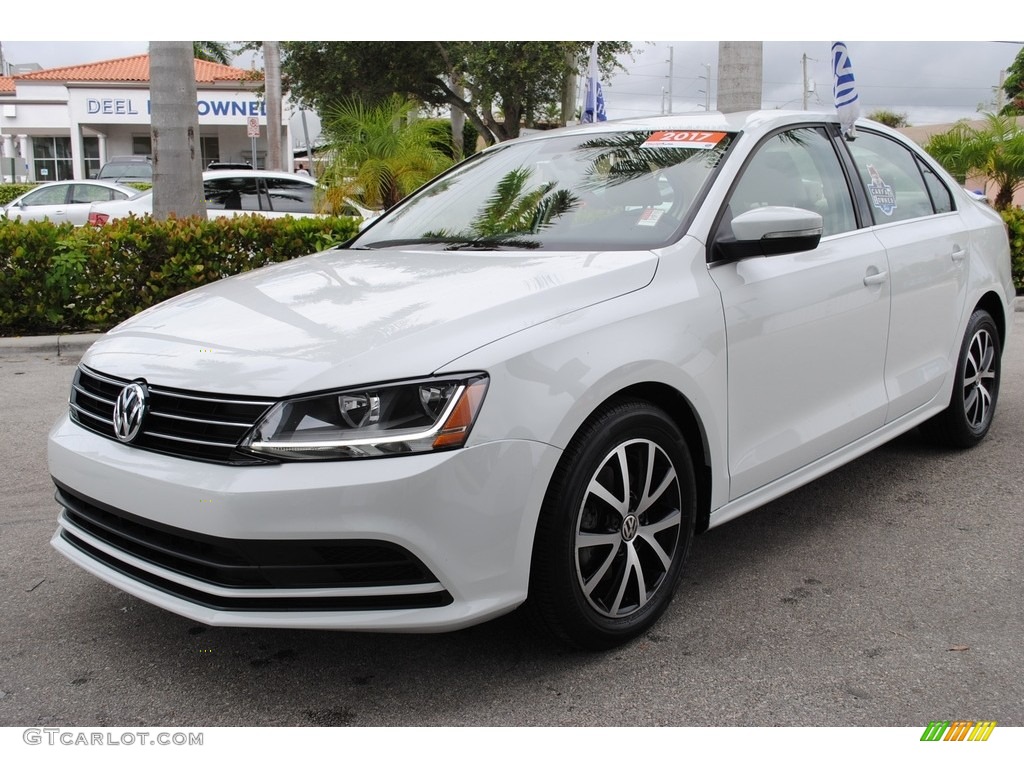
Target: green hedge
column 61, row 278
column 10, row 191
column 1014, row 218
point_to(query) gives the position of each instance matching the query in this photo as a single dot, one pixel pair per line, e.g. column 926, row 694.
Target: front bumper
column 245, row 546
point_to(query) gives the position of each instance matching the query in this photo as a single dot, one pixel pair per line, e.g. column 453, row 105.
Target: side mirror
column 770, row 231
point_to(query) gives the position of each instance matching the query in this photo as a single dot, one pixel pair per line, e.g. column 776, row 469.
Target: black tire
column 625, row 483
column 972, row 405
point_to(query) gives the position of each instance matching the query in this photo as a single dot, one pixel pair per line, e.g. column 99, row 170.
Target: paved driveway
column 887, row 593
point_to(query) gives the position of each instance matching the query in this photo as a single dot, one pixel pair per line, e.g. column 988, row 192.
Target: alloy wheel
column 628, row 528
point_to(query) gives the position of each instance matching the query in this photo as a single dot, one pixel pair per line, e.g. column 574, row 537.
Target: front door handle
column 876, row 278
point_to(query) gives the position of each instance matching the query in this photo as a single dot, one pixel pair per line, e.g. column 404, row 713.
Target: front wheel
column 972, row 404
column 615, row 528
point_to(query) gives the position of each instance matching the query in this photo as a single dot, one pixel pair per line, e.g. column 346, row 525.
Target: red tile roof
column 6, row 85
column 132, row 69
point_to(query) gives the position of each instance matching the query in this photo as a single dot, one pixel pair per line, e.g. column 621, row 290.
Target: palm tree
column 216, row 52
column 995, row 150
column 177, row 172
column 513, row 212
column 272, row 81
column 512, row 209
column 379, row 154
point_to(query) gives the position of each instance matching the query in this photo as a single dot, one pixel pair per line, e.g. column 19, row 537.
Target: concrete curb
column 67, row 345
column 74, row 344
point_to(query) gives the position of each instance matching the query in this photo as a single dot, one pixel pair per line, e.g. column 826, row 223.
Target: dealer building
column 64, row 123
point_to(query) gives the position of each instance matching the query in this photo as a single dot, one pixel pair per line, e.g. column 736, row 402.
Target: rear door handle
column 959, row 254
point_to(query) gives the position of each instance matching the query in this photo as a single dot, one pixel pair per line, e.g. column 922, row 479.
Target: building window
column 51, row 158
column 210, row 147
column 91, row 150
column 142, row 145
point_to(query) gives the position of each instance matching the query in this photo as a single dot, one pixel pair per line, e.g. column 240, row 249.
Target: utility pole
column 707, row 88
column 671, row 75
column 804, row 60
column 740, row 68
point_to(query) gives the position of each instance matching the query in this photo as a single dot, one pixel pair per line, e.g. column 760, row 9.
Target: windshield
column 126, row 171
column 597, row 191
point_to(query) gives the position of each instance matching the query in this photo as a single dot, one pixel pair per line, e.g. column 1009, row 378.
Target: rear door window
column 290, row 195
column 893, row 179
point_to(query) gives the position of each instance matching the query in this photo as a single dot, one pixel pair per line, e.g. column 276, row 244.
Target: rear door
column 915, row 220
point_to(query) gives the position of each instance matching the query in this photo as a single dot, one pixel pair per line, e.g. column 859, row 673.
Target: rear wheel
column 972, row 404
column 615, row 529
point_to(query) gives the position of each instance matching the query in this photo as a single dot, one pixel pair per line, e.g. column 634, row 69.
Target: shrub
column 1014, row 218
column 10, row 191
column 59, row 278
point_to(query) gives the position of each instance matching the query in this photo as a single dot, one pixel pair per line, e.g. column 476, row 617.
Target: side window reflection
column 800, row 169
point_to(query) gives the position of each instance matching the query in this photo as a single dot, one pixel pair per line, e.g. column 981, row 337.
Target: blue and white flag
column 593, row 107
column 844, row 89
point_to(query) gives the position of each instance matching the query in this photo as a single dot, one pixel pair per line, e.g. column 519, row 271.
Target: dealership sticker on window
column 685, row 139
column 649, row 217
column 882, row 196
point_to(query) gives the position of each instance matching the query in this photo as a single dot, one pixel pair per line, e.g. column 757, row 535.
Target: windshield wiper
column 456, row 243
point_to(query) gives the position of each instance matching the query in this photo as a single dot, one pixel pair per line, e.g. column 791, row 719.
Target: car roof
column 245, row 174
column 91, row 182
column 752, row 124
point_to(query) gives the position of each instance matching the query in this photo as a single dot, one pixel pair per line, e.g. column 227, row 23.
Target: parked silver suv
column 129, row 168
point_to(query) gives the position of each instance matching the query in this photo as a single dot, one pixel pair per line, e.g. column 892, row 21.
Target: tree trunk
column 1004, row 198
column 177, row 159
column 272, row 75
column 458, row 118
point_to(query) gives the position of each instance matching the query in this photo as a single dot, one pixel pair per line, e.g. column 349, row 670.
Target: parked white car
column 237, row 192
column 65, row 201
column 535, row 380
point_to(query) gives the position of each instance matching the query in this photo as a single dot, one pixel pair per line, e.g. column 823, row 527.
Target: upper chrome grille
column 193, row 425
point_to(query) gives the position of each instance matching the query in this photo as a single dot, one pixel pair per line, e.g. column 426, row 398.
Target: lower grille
column 250, row 564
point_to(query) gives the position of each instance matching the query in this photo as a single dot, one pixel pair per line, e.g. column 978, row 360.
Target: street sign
column 254, row 127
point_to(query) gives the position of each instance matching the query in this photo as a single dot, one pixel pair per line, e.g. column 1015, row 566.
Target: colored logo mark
column 958, row 730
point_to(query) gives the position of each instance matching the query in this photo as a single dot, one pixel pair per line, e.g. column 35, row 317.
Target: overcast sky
column 929, row 81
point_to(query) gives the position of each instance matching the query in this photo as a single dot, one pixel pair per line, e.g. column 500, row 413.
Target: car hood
column 351, row 317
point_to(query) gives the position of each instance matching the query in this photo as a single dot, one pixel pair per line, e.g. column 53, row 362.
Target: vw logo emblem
column 129, row 410
column 630, row 526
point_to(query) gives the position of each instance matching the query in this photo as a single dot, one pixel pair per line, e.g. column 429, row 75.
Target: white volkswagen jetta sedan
column 536, row 379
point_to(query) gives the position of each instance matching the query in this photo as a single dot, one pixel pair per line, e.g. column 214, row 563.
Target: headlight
column 385, row 420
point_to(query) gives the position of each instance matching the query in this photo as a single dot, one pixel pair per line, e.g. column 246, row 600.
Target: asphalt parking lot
column 888, row 593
